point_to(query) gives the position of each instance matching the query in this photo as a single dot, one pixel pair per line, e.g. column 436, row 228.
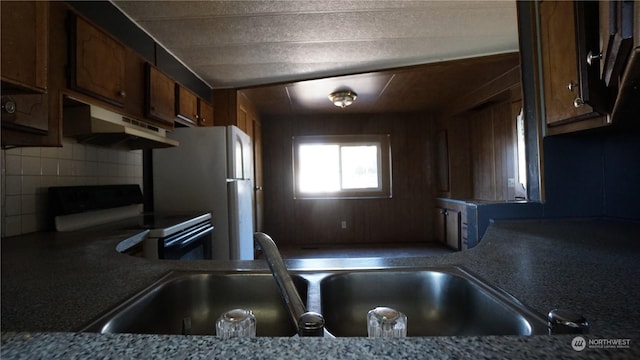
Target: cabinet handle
column 8, row 104
column 122, row 94
column 578, row 102
column 591, row 57
column 572, row 85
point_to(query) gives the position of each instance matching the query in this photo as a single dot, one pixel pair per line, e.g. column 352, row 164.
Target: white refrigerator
column 211, row 170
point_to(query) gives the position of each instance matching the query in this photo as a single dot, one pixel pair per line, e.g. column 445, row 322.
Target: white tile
column 134, row 171
column 14, row 151
column 50, row 152
column 12, row 225
column 114, row 156
column 31, row 151
column 49, row 166
column 91, row 153
column 123, row 170
column 137, row 181
column 66, row 151
column 13, row 185
column 13, row 164
column 28, row 204
column 135, row 157
column 31, row 165
column 123, row 157
column 92, row 168
column 65, row 167
column 49, row 181
column 68, row 181
column 78, row 152
column 103, row 155
column 80, row 180
column 91, row 180
column 79, row 168
column 13, row 205
column 31, row 184
column 112, row 170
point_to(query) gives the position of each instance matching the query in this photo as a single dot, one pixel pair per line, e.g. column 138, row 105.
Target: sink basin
column 437, row 302
column 202, row 297
column 446, row 301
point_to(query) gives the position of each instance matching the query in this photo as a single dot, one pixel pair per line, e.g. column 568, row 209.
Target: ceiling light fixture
column 343, row 98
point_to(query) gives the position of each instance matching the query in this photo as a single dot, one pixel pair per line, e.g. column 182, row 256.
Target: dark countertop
column 54, row 283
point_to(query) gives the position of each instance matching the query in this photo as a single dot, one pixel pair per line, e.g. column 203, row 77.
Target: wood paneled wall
column 406, row 217
column 483, row 152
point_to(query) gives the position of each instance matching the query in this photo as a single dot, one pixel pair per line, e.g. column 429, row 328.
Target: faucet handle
column 311, row 324
column 562, row 321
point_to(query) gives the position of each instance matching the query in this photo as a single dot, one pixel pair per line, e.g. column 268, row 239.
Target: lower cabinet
column 450, row 224
column 452, row 219
column 440, row 225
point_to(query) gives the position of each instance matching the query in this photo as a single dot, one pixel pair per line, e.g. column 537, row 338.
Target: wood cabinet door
column 97, row 63
column 559, row 62
column 160, row 96
column 206, row 113
column 30, row 113
column 616, row 38
column 453, row 228
column 24, row 42
column 439, row 225
column 186, row 106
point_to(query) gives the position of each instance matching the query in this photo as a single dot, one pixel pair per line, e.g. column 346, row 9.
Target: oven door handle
column 189, row 236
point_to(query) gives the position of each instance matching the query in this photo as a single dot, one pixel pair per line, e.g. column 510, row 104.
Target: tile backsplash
column 28, row 172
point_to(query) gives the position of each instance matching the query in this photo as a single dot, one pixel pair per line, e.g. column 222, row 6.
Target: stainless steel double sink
column 443, row 301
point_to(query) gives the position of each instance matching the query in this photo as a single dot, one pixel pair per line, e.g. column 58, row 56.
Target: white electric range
column 166, row 236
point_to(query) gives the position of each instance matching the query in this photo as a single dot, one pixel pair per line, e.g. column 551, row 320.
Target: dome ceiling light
column 343, row 98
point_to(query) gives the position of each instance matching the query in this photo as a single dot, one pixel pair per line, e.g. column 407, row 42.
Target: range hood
column 91, row 124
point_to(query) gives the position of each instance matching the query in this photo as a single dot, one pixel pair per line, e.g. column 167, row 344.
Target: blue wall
column 586, row 174
column 593, row 174
column 622, row 176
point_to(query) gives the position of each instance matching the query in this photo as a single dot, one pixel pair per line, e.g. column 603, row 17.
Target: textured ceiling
column 235, row 44
column 437, row 87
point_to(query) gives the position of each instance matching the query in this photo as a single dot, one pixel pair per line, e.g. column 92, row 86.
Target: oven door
column 193, row 243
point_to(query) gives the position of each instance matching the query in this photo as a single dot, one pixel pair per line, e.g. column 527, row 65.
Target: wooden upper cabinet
column 24, row 44
column 28, row 113
column 25, row 57
column 206, row 113
column 186, row 106
column 558, row 49
column 97, row 62
column 575, row 96
column 616, row 38
column 160, row 96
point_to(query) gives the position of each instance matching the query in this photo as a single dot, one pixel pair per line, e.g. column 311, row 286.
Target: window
column 341, row 166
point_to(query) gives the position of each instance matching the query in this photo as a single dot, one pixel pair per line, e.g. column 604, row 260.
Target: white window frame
column 382, row 142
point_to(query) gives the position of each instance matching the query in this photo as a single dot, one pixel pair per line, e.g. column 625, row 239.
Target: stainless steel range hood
column 91, row 124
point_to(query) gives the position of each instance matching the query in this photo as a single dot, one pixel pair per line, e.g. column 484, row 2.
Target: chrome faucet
column 308, row 323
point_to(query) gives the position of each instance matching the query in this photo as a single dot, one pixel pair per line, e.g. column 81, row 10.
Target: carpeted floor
column 363, row 250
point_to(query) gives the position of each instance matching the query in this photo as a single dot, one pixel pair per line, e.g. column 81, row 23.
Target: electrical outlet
column 511, row 182
column 343, row 224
